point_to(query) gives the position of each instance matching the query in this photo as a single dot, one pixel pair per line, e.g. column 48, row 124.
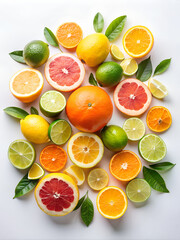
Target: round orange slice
column 159, row 119
column 138, row 41
column 26, row 85
column 125, row 165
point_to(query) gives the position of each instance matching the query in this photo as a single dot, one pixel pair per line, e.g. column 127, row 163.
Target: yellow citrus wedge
column 129, row 66
column 116, row 52
column 35, row 172
column 157, row 89
column 98, row 179
column 76, row 173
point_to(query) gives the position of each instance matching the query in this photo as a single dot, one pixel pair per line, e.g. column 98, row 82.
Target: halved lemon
column 157, row 89
column 76, row 173
column 98, row 179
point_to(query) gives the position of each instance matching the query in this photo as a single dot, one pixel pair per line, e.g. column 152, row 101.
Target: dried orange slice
column 159, row 119
column 69, row 35
column 138, row 41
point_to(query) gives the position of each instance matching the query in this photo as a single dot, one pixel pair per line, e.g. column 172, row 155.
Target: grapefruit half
column 64, row 72
column 132, row 97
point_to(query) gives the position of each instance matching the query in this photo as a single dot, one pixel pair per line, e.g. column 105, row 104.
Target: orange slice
column 26, row 85
column 159, row 119
column 138, row 41
column 125, row 165
column 69, row 35
column 111, row 202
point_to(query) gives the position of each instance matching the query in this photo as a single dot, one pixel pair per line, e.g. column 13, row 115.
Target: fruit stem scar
column 89, row 104
column 83, row 61
column 160, row 121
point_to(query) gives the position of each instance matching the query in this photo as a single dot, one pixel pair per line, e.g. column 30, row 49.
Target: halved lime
column 134, row 128
column 152, row 148
column 116, row 53
column 52, row 103
column 21, row 154
column 138, row 190
column 59, row 131
column 129, row 66
column 35, row 172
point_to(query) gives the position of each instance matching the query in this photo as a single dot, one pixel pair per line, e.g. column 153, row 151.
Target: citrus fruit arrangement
column 89, row 109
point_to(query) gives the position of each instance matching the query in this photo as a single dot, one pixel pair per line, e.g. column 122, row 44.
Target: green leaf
column 164, row 166
column 115, row 28
column 144, row 71
column 98, row 22
column 87, row 211
column 92, row 80
column 34, row 111
column 24, row 186
column 162, row 67
column 17, row 56
column 81, row 200
column 155, row 180
column 16, row 112
column 51, row 38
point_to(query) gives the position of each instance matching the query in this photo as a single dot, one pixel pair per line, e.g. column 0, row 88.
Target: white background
column 23, row 21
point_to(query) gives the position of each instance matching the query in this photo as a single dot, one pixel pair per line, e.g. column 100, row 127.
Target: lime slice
column 134, row 128
column 152, row 148
column 129, row 66
column 52, row 103
column 76, row 173
column 116, row 53
column 138, row 190
column 35, row 172
column 157, row 89
column 21, row 154
column 59, row 131
column 98, row 179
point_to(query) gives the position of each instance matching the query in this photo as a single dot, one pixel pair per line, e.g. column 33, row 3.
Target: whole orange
column 89, row 108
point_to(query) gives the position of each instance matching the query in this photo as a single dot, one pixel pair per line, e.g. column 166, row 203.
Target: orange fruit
column 125, row 165
column 138, row 41
column 53, row 158
column 69, row 35
column 89, row 108
column 26, row 85
column 111, row 202
column 159, row 119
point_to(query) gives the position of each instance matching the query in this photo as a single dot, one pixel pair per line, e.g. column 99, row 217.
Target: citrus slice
column 138, row 190
column 159, row 119
column 35, row 172
column 52, row 103
column 59, row 131
column 69, row 34
column 64, row 72
column 111, row 202
column 26, row 85
column 85, row 149
column 152, row 148
column 129, row 66
column 116, row 53
column 21, row 154
column 53, row 158
column 132, row 97
column 56, row 194
column 98, row 179
column 134, row 128
column 157, row 89
column 76, row 173
column 125, row 165
column 138, row 41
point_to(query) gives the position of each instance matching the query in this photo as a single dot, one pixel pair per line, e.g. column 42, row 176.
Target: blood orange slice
column 64, row 72
column 132, row 97
column 56, row 194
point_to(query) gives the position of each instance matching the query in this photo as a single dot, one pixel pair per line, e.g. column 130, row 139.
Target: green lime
column 109, row 74
column 129, row 66
column 21, row 154
column 138, row 190
column 52, row 103
column 134, row 128
column 152, row 148
column 36, row 53
column 114, row 137
column 35, row 172
column 59, row 131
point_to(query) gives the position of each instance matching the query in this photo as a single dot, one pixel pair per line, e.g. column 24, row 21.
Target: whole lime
column 114, row 137
column 109, row 74
column 36, row 53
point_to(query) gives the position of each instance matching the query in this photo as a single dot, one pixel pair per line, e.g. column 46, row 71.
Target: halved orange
column 26, row 85
column 125, row 165
column 159, row 119
column 138, row 41
column 53, row 158
column 69, row 35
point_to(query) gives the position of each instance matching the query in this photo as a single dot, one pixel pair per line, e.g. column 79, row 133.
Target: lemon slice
column 157, row 89
column 35, row 172
column 116, row 53
column 134, row 128
column 98, row 179
column 129, row 66
column 76, row 173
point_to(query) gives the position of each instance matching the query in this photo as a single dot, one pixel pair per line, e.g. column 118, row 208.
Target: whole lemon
column 35, row 128
column 93, row 49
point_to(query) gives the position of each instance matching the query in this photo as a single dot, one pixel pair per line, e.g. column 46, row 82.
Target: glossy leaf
column 87, row 211
column 162, row 67
column 16, row 112
column 144, row 71
column 98, row 22
column 17, row 56
column 34, row 111
column 164, row 166
column 81, row 200
column 50, row 37
column 92, row 80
